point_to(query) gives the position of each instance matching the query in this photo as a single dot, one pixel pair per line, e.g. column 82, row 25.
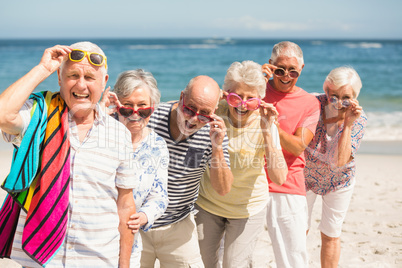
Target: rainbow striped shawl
column 38, row 182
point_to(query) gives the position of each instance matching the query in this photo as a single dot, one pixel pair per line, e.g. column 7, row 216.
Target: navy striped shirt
column 187, row 162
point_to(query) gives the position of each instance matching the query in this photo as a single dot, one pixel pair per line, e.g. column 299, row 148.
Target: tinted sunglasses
column 282, row 72
column 235, row 100
column 142, row 112
column 96, row 59
column 190, row 113
column 335, row 101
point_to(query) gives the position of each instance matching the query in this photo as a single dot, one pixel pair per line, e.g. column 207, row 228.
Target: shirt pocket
column 193, row 157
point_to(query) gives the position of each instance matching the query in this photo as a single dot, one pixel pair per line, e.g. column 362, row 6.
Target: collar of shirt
column 100, row 116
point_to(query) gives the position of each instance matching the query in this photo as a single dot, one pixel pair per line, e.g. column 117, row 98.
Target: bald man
column 196, row 137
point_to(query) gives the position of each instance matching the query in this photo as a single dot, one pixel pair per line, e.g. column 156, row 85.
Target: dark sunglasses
column 142, row 112
column 190, row 113
column 96, row 59
column 282, row 72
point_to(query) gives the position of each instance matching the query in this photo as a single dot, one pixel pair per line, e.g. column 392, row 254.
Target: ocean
column 174, row 62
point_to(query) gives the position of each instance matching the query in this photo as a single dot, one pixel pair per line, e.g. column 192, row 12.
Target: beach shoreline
column 372, row 231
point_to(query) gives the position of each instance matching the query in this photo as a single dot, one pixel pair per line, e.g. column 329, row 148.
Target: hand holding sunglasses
column 217, row 131
column 268, row 114
column 267, row 71
column 109, row 102
column 53, row 57
column 353, row 112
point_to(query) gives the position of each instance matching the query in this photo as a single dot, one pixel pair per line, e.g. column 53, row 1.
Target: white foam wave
column 363, row 45
column 160, row 47
column 384, row 126
column 219, row 41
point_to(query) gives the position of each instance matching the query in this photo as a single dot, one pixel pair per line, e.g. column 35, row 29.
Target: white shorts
column 287, row 223
column 334, row 207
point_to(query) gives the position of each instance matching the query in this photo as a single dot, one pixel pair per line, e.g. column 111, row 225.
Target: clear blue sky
column 371, row 19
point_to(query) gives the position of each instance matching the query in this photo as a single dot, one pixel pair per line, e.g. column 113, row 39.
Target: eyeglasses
column 142, row 112
column 344, row 103
column 190, row 112
column 96, row 59
column 235, row 100
column 282, row 72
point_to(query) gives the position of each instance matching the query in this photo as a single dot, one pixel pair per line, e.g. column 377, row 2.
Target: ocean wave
column 317, row 43
column 384, row 126
column 363, row 45
column 161, row 47
column 219, row 41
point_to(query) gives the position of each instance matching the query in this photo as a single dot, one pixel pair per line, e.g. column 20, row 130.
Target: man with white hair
column 298, row 117
column 71, row 205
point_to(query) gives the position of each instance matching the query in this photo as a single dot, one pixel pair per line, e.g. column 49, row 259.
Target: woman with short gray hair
column 330, row 157
column 135, row 97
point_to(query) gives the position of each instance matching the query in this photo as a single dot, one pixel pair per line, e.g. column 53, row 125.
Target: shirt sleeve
column 225, row 148
column 156, row 202
column 25, row 114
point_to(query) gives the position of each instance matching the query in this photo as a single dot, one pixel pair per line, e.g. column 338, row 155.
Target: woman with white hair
column 135, row 96
column 239, row 215
column 330, row 157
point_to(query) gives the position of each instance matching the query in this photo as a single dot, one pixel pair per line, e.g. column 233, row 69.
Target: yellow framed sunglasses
column 94, row 58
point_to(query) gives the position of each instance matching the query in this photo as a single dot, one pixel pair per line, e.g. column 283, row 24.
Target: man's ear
column 59, row 76
column 106, row 79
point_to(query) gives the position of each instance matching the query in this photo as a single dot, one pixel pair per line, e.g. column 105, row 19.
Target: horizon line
column 206, row 37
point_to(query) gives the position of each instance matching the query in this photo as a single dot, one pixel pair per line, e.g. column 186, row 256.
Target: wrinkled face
column 81, row 86
column 200, row 104
column 139, row 98
column 339, row 98
column 240, row 115
column 284, row 83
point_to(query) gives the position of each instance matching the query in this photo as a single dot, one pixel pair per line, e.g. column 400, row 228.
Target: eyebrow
column 200, row 111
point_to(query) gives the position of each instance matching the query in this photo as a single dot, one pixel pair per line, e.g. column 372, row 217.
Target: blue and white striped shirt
column 188, row 160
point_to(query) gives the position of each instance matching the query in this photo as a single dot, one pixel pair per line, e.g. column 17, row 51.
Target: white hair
column 343, row 76
column 288, row 49
column 248, row 73
column 129, row 81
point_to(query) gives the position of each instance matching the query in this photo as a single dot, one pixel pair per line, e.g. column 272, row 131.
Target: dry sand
column 372, row 231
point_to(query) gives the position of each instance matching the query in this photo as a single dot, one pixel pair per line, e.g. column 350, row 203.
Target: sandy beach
column 372, row 232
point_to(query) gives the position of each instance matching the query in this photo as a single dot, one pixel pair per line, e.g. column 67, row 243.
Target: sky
column 345, row 19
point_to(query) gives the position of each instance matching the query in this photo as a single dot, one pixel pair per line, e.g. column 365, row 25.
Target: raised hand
column 268, row 70
column 217, row 131
column 54, row 56
column 109, row 101
column 269, row 115
column 352, row 112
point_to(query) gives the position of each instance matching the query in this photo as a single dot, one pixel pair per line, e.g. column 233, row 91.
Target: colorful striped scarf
column 39, row 182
